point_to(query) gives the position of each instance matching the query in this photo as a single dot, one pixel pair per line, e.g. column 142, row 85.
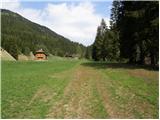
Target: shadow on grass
column 105, row 65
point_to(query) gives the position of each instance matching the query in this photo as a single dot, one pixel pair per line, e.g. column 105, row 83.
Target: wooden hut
column 40, row 55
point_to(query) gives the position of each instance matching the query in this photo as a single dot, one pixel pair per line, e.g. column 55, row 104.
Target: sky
column 76, row 20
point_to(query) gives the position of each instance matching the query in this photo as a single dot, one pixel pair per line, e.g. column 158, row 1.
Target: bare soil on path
column 81, row 98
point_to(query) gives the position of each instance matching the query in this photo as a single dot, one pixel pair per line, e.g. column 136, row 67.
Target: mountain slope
column 20, row 35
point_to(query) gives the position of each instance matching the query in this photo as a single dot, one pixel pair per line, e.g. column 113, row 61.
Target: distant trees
column 11, row 45
column 133, row 33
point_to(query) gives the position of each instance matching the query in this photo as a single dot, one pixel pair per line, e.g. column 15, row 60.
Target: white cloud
column 10, row 4
column 78, row 22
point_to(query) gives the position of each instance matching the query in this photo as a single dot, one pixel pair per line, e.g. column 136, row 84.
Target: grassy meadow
column 78, row 89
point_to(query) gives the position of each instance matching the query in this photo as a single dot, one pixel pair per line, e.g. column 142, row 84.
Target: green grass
column 31, row 89
column 20, row 80
column 137, row 85
column 137, row 93
column 98, row 106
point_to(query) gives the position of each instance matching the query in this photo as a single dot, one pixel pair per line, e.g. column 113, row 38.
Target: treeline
column 133, row 34
column 21, row 36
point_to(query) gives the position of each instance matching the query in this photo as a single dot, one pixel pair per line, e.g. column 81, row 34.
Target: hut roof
column 41, row 51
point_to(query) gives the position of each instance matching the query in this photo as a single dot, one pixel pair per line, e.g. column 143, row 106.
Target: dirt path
column 93, row 94
column 81, row 97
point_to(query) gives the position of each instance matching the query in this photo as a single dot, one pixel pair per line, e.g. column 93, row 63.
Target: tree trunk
column 153, row 57
column 142, row 57
column 131, row 61
column 103, row 58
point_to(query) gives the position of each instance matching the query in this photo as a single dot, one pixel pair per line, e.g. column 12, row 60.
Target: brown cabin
column 40, row 55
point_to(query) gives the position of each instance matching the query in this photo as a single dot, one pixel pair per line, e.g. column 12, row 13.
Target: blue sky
column 102, row 7
column 76, row 20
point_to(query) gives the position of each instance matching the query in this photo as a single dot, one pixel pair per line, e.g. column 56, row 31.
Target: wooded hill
column 21, row 36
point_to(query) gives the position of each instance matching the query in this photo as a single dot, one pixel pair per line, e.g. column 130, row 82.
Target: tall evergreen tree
column 137, row 26
column 152, row 30
column 115, row 14
column 98, row 46
column 111, row 45
column 87, row 53
column 106, row 45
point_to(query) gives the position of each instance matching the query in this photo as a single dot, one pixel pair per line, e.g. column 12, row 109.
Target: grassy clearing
column 133, row 91
column 21, row 81
column 78, row 89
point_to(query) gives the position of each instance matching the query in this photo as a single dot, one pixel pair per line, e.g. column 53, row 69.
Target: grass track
column 78, row 89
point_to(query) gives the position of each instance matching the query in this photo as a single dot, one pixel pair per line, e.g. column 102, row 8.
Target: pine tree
column 87, row 53
column 98, row 46
column 111, row 45
column 94, row 53
column 113, row 33
column 115, row 14
column 152, row 30
column 137, row 26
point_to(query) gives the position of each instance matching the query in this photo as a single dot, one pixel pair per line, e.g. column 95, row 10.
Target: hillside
column 20, row 35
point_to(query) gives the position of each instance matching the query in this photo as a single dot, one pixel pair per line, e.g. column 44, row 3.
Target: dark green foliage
column 26, row 50
column 10, row 45
column 88, row 52
column 115, row 14
column 106, row 45
column 111, row 45
column 20, row 35
column 98, row 51
column 152, row 18
column 94, row 53
column 133, row 33
column 137, row 23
